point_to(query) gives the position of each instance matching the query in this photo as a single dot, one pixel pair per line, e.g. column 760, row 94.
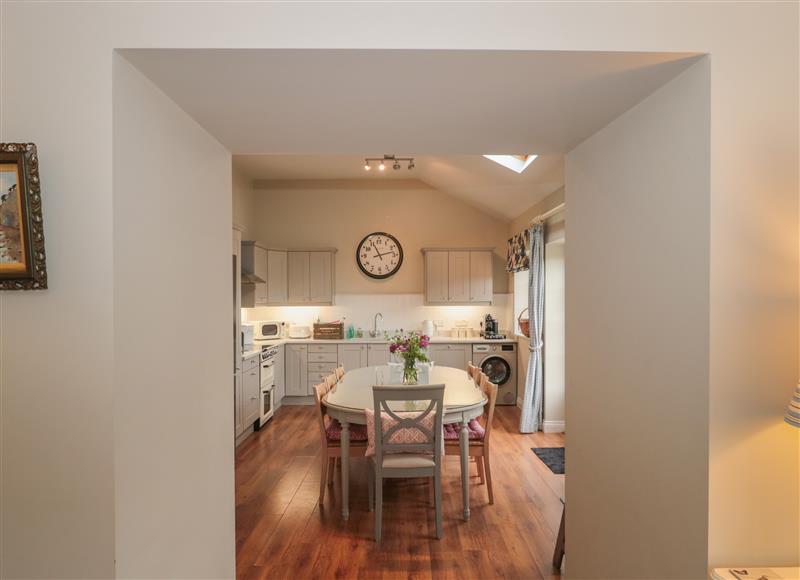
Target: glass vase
column 410, row 372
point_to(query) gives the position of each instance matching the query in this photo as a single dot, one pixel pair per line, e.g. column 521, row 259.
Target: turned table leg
column 464, row 440
column 345, row 443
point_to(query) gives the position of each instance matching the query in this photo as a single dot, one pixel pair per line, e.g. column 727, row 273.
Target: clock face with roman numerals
column 379, row 255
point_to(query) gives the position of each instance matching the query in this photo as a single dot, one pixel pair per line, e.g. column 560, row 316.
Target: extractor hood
column 250, row 278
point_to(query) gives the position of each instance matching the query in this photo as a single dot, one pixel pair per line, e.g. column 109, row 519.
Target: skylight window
column 517, row 163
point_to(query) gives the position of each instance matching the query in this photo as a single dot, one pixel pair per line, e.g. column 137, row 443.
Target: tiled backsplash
column 405, row 311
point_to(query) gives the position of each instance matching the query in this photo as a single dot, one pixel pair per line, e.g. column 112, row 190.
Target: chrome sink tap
column 374, row 332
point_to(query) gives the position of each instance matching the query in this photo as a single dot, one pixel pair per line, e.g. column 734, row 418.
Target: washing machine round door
column 497, row 369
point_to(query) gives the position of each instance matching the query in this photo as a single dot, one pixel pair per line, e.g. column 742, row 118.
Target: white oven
column 268, row 360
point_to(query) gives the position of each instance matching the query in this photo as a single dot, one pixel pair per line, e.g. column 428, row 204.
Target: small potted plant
column 412, row 348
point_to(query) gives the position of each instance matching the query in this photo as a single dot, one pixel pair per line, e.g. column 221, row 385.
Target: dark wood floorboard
column 282, row 532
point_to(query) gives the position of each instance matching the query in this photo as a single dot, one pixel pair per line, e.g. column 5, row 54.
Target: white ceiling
column 446, row 107
column 472, row 178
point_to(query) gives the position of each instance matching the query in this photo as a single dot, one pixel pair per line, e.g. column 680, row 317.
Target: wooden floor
column 282, row 532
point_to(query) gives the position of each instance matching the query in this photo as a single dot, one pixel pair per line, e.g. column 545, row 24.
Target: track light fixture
column 382, row 161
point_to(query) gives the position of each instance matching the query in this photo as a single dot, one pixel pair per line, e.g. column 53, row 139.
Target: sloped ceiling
column 447, row 107
column 473, row 179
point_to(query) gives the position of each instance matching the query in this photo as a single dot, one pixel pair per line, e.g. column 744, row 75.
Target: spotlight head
column 381, row 167
column 396, row 165
column 367, row 166
column 411, row 164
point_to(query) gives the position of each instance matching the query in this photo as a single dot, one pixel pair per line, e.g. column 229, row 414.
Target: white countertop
column 253, row 349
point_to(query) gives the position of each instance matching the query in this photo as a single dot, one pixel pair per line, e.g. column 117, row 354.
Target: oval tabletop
column 353, row 392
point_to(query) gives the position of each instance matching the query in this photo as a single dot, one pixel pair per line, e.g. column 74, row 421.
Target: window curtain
column 518, row 245
column 531, row 418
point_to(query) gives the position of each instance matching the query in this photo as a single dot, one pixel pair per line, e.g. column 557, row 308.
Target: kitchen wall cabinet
column 280, row 376
column 299, row 290
column 377, row 354
column 458, row 275
column 436, row 275
column 290, row 276
column 296, row 363
column 450, row 355
column 311, row 276
column 320, row 266
column 353, row 356
column 277, row 285
column 251, row 391
column 480, row 277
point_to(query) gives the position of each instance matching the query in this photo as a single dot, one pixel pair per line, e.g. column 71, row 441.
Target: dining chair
column 331, row 436
column 406, row 444
column 478, row 436
column 471, row 370
column 339, row 372
column 329, row 381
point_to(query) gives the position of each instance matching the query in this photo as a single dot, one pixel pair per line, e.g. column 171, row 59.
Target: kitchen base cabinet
column 377, row 355
column 280, row 377
column 352, row 356
column 450, row 355
column 296, row 361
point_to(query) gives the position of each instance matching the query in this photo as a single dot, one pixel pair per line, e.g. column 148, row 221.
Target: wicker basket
column 329, row 331
column 524, row 324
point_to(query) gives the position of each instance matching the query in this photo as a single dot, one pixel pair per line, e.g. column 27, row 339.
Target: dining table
column 352, row 394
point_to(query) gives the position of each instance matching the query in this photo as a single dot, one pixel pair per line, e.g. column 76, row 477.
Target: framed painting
column 22, row 258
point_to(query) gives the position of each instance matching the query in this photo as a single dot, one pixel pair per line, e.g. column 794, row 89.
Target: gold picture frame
column 22, row 257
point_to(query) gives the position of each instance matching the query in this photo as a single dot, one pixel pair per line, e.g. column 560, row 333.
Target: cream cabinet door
column 277, row 284
column 320, row 277
column 458, row 279
column 450, row 355
column 377, row 355
column 352, row 356
column 298, row 276
column 296, row 370
column 436, row 273
column 262, row 271
column 480, row 276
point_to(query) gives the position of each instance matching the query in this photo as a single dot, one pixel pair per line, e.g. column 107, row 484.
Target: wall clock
column 379, row 255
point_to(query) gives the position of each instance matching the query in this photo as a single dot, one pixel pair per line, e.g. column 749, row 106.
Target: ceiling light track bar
column 381, row 161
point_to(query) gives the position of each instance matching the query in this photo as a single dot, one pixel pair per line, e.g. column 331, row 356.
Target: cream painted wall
column 523, row 220
column 243, row 201
column 340, row 213
column 64, row 524
column 554, row 339
column 637, row 320
column 173, row 409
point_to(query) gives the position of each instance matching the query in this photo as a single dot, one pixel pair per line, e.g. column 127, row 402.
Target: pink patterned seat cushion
column 476, row 431
column 333, row 431
column 410, row 435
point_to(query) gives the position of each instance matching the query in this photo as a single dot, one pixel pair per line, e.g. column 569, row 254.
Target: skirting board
column 554, row 426
column 549, row 426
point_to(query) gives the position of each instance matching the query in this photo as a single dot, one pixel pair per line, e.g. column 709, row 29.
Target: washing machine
column 499, row 362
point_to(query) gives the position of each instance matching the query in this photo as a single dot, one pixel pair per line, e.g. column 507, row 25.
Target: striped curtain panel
column 531, row 419
column 518, row 252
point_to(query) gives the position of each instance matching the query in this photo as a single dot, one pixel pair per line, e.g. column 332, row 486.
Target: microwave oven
column 267, row 329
